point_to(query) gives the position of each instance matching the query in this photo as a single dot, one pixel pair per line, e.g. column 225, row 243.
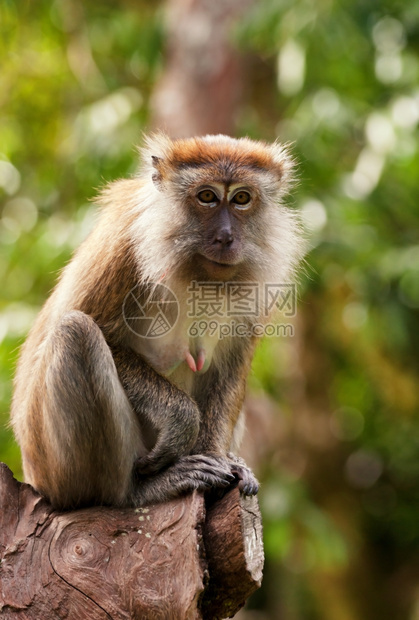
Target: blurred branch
column 200, row 89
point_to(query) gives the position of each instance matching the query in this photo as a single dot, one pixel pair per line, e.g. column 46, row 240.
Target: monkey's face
column 220, row 211
column 225, row 220
column 221, row 201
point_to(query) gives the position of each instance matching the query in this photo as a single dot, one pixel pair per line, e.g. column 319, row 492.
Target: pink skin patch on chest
column 200, row 361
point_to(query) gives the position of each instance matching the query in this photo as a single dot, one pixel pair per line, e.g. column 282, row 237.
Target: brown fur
column 221, row 158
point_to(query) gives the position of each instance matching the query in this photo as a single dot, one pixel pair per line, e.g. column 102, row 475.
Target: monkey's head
column 217, row 212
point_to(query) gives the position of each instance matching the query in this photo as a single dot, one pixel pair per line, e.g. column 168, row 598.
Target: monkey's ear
column 155, row 155
column 284, row 164
column 157, row 175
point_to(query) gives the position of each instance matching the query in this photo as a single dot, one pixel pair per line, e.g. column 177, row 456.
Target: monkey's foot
column 247, row 484
column 247, row 481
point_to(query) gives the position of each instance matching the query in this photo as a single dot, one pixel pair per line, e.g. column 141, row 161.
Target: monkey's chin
column 219, row 271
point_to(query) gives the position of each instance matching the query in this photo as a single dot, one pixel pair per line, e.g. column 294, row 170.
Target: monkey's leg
column 86, row 433
column 170, row 423
column 168, row 417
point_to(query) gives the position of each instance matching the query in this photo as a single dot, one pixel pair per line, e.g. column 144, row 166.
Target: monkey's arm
column 220, row 395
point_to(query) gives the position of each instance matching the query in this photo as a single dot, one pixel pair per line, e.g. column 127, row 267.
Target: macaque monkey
column 106, row 415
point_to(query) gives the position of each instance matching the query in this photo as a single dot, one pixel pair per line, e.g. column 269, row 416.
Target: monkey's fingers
column 215, row 471
column 189, row 473
column 202, row 465
column 206, row 471
column 247, row 482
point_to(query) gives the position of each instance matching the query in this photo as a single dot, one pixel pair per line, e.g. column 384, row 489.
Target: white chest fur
column 181, row 352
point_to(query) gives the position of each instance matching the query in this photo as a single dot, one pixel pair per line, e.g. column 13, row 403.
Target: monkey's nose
column 224, row 237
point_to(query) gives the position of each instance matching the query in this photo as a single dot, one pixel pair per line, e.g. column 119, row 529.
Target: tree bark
column 179, row 560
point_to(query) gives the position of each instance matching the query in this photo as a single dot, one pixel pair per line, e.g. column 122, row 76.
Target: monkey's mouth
column 220, row 264
column 219, row 270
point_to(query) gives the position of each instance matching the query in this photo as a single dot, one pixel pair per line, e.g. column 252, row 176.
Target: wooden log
column 233, row 541
column 178, row 560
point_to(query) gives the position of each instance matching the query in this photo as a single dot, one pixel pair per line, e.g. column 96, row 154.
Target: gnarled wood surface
column 179, row 560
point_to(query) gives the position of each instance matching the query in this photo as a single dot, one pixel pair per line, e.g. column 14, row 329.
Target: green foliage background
column 75, row 86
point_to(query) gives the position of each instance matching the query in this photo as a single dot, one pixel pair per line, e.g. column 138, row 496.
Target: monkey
column 107, row 416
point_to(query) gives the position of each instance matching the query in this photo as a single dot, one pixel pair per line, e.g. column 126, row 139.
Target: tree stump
column 185, row 559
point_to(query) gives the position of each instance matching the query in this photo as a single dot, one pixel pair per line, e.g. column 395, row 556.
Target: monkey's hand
column 201, row 472
column 247, row 481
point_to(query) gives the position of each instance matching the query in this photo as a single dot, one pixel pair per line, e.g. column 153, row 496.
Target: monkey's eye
column 241, row 199
column 207, row 196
